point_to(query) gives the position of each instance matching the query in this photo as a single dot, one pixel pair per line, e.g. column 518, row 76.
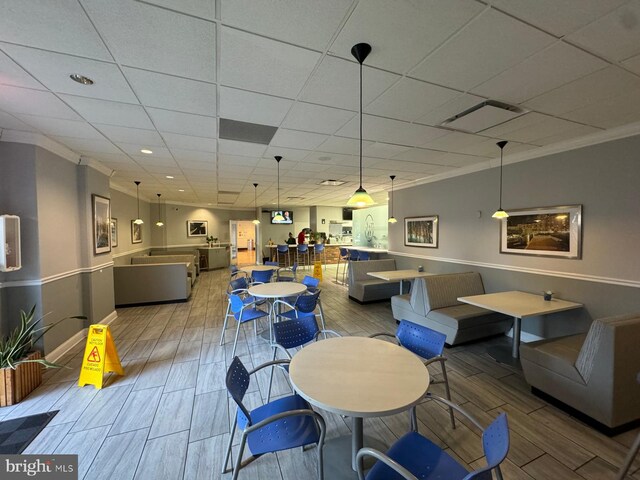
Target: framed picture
column 197, row 228
column 421, row 231
column 544, row 231
column 136, row 232
column 114, row 232
column 101, row 224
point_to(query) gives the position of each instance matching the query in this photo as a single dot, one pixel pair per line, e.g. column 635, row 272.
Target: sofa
column 166, row 252
column 364, row 288
column 159, row 282
column 433, row 302
column 596, row 373
column 189, row 259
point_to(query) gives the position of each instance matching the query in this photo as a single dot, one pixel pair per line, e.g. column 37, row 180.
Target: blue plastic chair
column 261, row 276
column 354, row 255
column 427, row 344
column 344, row 257
column 414, row 456
column 283, row 424
column 271, row 264
column 304, row 306
column 282, row 252
column 282, row 275
column 303, row 251
column 363, row 256
column 243, row 312
column 320, row 253
column 239, row 287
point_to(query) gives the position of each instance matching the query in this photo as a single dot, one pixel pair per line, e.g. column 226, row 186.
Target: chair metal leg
column 228, row 454
column 275, row 353
column 448, row 393
column 224, row 325
column 236, row 469
column 235, row 342
column 633, row 451
column 323, row 432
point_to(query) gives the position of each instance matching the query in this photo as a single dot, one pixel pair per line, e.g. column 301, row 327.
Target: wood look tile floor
column 169, row 416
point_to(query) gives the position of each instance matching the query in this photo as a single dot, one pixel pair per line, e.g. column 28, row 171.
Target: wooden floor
column 168, row 417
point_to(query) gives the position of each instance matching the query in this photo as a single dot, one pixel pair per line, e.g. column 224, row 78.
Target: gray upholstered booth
column 189, row 259
column 433, row 302
column 364, row 288
column 594, row 373
column 160, row 282
column 154, row 252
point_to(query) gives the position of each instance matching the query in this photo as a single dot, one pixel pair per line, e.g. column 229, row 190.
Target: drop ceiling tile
column 391, row 131
column 633, row 64
column 252, row 107
column 336, row 83
column 191, row 165
column 189, row 142
column 302, row 22
column 172, row 93
column 184, row 123
column 266, row 66
column 288, row 153
column 227, row 161
column 198, row 8
column 34, row 102
column 120, row 158
column 109, row 113
column 316, row 118
column 455, row 141
column 232, row 147
column 164, row 41
column 410, row 99
column 163, row 160
column 615, row 36
column 519, row 123
column 383, row 150
column 555, row 66
column 578, row 130
column 53, row 70
column 460, row 160
column 12, row 74
column 482, row 49
column 424, row 26
column 333, row 159
column 64, row 128
column 182, row 155
column 533, row 128
column 610, row 112
column 82, row 145
column 346, row 146
column 295, row 139
column 12, row 123
column 420, row 155
column 600, row 85
column 559, row 18
column 449, row 109
column 148, row 138
column 61, row 26
column 133, row 149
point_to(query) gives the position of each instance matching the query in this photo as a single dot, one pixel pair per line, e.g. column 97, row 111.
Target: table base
column 337, row 457
column 504, row 354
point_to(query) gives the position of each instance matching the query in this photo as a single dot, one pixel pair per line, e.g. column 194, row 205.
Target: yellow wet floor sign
column 100, row 356
column 317, row 270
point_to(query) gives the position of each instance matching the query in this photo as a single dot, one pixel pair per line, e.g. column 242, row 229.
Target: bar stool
column 363, row 256
column 320, row 252
column 303, row 251
column 282, row 252
column 344, row 257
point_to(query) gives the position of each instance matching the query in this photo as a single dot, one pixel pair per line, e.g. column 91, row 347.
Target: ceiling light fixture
column 170, row 177
column 181, row 189
column 255, row 203
column 360, row 197
column 278, row 216
column 159, row 222
column 392, row 219
column 138, row 220
column 500, row 213
column 146, row 151
column 76, row 77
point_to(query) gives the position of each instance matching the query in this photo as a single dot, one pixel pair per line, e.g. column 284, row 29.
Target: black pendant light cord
column 501, row 144
column 360, row 124
column 278, row 158
column 138, row 196
column 392, row 179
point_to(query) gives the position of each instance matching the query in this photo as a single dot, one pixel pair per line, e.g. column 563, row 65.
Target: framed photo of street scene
column 101, row 224
column 114, row 232
column 136, row 232
column 197, row 228
column 544, row 231
column 421, row 231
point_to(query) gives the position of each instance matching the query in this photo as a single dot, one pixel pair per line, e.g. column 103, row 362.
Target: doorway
column 245, row 241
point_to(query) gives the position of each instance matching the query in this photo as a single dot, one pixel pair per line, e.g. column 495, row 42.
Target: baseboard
column 79, row 336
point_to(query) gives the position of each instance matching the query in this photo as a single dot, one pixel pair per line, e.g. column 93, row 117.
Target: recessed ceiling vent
column 227, row 198
column 295, row 198
column 484, row 115
column 246, row 132
column 332, row 183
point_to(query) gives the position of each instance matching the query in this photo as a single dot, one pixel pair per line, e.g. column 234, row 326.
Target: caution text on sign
column 100, row 356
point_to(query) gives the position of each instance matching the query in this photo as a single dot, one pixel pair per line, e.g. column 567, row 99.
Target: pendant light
column 159, row 222
column 278, row 216
column 360, row 197
column 138, row 220
column 500, row 213
column 392, row 219
column 255, row 202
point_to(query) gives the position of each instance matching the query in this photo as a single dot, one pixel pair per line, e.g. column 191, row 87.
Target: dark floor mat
column 18, row 433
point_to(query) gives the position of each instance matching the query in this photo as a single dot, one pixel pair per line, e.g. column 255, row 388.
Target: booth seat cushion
column 464, row 316
column 558, row 355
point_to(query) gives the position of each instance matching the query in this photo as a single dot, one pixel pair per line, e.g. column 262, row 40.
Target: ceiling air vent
column 484, row 115
column 332, row 183
column 246, row 132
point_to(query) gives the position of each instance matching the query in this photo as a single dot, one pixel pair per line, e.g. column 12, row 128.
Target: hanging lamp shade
column 360, row 197
column 278, row 216
column 159, row 223
column 255, row 203
column 500, row 213
column 392, row 219
column 138, row 220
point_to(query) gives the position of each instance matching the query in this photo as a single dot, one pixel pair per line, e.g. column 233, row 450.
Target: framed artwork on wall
column 114, row 232
column 421, row 231
column 101, row 224
column 543, row 231
column 136, row 232
column 197, row 228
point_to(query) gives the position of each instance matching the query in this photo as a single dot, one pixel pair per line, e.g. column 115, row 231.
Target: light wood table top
column 257, row 268
column 277, row 289
column 519, row 304
column 369, row 249
column 395, row 275
column 359, row 376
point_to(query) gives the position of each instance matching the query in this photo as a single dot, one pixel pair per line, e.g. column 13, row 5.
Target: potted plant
column 20, row 366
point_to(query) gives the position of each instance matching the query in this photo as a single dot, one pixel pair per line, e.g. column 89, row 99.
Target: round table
column 273, row 291
column 359, row 377
column 257, row 268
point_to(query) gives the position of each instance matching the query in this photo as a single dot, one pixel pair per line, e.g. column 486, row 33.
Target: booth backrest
column 443, row 290
column 163, row 252
column 190, row 259
column 358, row 270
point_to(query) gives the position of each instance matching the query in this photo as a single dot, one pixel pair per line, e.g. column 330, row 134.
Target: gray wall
column 125, row 209
column 603, row 179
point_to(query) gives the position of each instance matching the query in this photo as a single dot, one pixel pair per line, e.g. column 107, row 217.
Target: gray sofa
column 166, row 252
column 364, row 288
column 433, row 302
column 159, row 282
column 189, row 259
column 595, row 373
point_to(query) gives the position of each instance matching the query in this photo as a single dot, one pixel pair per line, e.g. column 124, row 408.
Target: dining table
column 401, row 275
column 273, row 291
